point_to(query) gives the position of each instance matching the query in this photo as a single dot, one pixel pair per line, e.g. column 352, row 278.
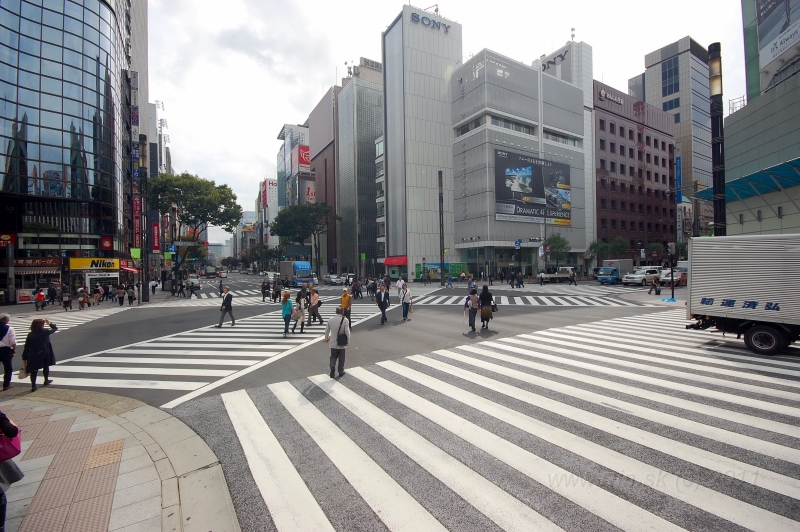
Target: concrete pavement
column 100, row 462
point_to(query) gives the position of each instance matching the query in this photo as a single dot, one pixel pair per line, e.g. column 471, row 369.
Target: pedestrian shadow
column 480, row 334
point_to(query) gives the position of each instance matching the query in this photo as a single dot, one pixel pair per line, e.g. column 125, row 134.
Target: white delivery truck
column 747, row 285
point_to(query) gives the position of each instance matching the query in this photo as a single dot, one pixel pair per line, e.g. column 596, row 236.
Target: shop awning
column 127, row 269
column 773, row 179
column 396, row 261
column 32, row 270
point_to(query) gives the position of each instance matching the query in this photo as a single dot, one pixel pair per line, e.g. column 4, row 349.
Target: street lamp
column 441, row 229
column 424, row 271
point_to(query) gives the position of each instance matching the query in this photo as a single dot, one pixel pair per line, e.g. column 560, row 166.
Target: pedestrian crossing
column 535, row 301
column 190, row 360
column 63, row 320
column 588, row 427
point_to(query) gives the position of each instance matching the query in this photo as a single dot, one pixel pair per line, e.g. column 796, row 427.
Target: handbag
column 341, row 338
column 10, row 447
column 22, row 375
column 494, row 306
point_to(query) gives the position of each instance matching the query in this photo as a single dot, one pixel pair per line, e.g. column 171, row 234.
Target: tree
column 197, row 202
column 298, row 223
column 681, row 251
column 597, row 250
column 618, row 247
column 655, row 247
column 559, row 247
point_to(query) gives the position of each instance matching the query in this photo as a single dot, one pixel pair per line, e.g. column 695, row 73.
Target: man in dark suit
column 226, row 308
column 382, row 300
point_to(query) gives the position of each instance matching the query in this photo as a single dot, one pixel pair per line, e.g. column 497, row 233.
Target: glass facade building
column 64, row 129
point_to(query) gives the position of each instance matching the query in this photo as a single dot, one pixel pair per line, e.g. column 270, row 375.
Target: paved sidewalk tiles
column 88, row 469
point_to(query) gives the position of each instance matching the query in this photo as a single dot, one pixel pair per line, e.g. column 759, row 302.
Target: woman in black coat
column 38, row 353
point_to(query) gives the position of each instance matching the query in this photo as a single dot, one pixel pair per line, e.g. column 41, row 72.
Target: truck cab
column 608, row 275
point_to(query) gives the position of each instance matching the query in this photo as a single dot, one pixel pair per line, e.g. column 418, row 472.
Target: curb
column 195, row 496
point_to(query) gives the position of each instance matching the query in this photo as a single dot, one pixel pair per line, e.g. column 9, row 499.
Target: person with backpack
column 472, row 304
column 131, row 295
column 39, row 299
column 341, row 342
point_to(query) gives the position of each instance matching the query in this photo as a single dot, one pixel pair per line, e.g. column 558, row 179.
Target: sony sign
column 552, row 62
column 425, row 21
column 610, row 97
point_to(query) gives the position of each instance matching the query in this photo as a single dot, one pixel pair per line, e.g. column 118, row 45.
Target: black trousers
column 6, row 354
column 337, row 354
column 45, row 372
column 383, row 315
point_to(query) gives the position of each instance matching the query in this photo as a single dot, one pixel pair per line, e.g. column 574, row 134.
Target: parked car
column 681, row 278
column 643, row 276
column 334, row 279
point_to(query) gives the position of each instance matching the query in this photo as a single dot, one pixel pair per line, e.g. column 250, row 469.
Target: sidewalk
column 96, row 462
column 29, row 308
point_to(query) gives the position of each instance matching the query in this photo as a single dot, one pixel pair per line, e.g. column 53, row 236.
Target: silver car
column 642, row 276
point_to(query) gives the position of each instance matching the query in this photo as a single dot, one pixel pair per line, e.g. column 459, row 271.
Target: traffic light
column 671, row 248
column 205, row 244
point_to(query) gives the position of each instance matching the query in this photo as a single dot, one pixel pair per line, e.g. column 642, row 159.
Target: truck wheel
column 765, row 340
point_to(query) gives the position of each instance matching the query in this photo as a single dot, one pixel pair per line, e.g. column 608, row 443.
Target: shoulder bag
column 341, row 338
column 10, row 447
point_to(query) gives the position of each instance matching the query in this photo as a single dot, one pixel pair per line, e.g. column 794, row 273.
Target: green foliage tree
column 197, row 202
column 681, row 251
column 656, row 247
column 559, row 247
column 298, row 223
column 597, row 251
column 618, row 247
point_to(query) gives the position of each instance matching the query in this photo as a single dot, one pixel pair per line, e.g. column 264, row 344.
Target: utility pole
column 441, row 229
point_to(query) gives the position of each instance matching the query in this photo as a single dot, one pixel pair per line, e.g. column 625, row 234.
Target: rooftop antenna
column 573, row 33
column 436, row 8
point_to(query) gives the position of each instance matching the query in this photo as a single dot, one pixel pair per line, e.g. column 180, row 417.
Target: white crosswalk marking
column 672, row 435
column 165, row 363
column 536, row 300
column 65, row 320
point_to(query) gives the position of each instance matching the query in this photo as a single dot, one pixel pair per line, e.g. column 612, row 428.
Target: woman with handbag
column 299, row 312
column 10, row 447
column 405, row 299
column 38, row 352
column 486, row 302
column 286, row 311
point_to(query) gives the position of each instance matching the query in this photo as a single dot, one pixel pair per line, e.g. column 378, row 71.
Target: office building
column 519, row 165
column 676, row 81
column 323, row 130
column 360, row 121
column 634, row 164
column 294, row 163
column 762, row 132
column 420, row 52
column 67, row 72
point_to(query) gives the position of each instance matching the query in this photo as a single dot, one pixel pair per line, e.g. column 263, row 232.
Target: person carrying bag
column 342, row 340
column 10, row 446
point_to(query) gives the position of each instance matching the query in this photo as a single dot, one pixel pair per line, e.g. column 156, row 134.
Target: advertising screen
column 528, row 189
column 778, row 33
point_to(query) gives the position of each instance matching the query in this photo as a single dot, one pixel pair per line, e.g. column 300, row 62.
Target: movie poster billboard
column 529, row 189
column 778, row 35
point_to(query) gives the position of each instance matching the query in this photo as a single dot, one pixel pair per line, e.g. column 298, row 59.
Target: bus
column 211, row 271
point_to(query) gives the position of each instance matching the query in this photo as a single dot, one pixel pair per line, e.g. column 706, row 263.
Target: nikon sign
column 94, row 264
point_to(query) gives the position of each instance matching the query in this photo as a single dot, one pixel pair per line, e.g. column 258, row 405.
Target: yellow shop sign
column 94, row 264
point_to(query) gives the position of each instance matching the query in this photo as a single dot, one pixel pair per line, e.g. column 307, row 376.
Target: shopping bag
column 22, row 375
column 10, row 447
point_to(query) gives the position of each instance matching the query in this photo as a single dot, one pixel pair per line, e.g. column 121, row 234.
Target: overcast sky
column 231, row 76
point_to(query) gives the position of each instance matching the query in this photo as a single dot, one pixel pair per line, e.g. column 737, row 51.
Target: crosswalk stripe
column 730, row 415
column 121, row 370
column 531, row 300
column 681, row 423
column 185, row 352
column 132, row 383
column 705, row 498
column 720, row 464
column 505, row 510
column 393, row 505
column 291, row 505
column 608, row 506
column 176, row 361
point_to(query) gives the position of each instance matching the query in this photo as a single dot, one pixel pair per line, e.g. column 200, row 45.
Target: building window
column 677, row 117
column 669, row 77
column 672, row 104
column 663, row 146
column 602, row 164
column 639, row 138
column 613, row 166
column 381, row 229
column 612, row 128
column 379, row 189
column 648, row 176
column 622, row 188
column 463, row 130
column 602, row 125
column 622, row 206
column 612, row 147
column 379, row 168
column 603, row 203
column 641, row 190
column 649, row 227
column 649, row 192
column 649, row 210
column 381, row 209
column 379, row 149
column 602, row 144
column 613, row 186
column 630, row 134
column 623, row 225
column 633, row 210
column 655, row 143
column 663, row 162
column 630, row 153
column 640, row 174
column 647, row 140
column 508, row 124
column 648, row 158
column 630, row 170
column 563, row 139
column 641, row 208
column 641, row 226
column 621, row 168
column 622, row 131
column 602, row 183
column 603, row 223
column 640, row 154
column 663, row 212
column 663, row 179
column 613, row 224
column 613, row 205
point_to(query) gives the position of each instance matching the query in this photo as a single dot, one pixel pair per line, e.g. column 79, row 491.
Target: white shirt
column 10, row 339
column 400, row 283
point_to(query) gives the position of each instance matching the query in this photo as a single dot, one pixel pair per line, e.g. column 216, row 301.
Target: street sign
column 189, row 243
column 516, row 244
column 363, row 256
column 172, row 248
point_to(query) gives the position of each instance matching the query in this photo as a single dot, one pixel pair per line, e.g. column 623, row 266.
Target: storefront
column 30, row 274
column 88, row 272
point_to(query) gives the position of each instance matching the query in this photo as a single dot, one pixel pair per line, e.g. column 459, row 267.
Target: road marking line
column 120, row 383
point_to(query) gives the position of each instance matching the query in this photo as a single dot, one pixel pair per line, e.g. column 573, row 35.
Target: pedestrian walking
column 38, row 352
column 66, row 300
column 486, row 301
column 51, row 295
column 541, row 278
column 472, row 304
column 227, row 307
column 264, row 290
column 38, row 300
column 346, row 304
column 221, row 290
column 313, row 308
column 131, row 295
column 573, row 279
column 341, row 342
column 299, row 311
column 399, row 285
column 654, row 286
column 81, row 299
column 449, row 281
column 382, row 300
column 121, row 293
column 276, row 291
column 9, row 470
column 520, row 280
column 405, row 299
column 110, row 293
column 287, row 308
column 8, row 348
column 181, row 292
column 153, row 286
column 96, row 294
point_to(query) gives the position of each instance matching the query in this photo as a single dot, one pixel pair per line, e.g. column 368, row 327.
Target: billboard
column 272, row 192
column 301, row 160
column 529, row 189
column 778, row 35
column 264, row 194
column 308, row 192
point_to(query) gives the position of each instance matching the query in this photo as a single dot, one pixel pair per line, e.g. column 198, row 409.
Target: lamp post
column 441, row 229
column 424, row 272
